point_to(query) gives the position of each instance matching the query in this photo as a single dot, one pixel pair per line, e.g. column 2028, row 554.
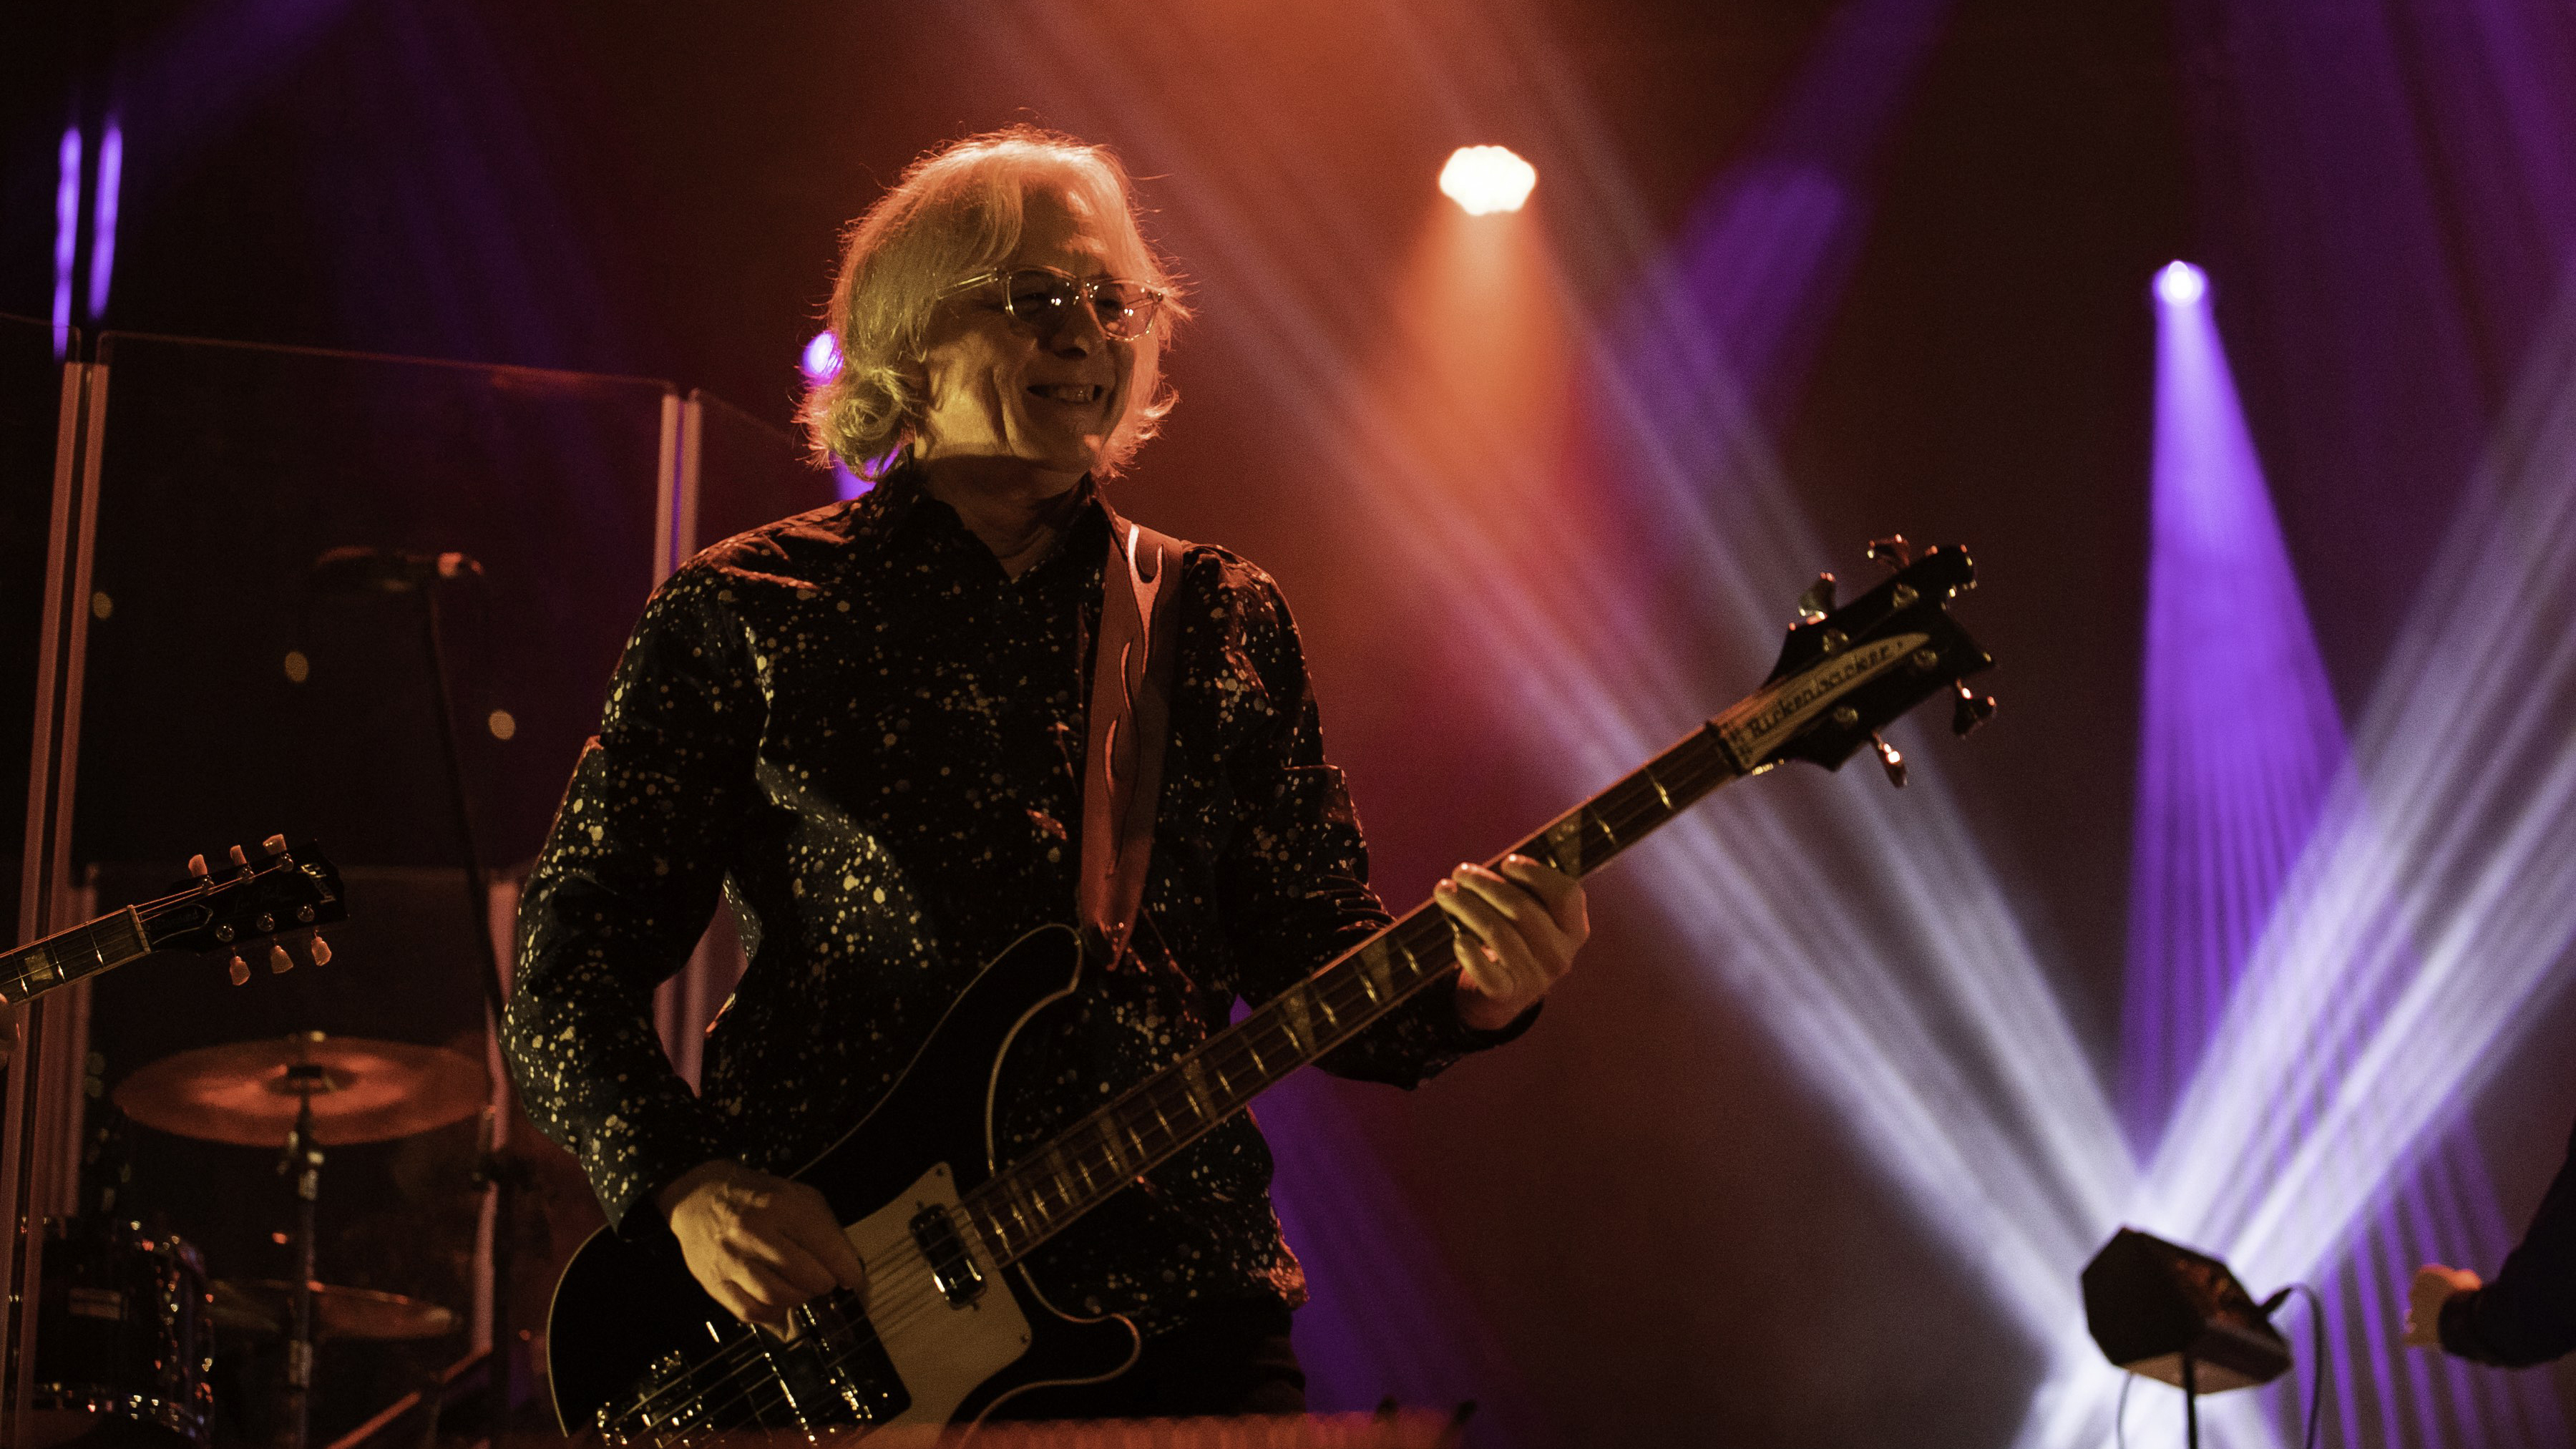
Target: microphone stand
column 495, row 1169
column 2190, row 1403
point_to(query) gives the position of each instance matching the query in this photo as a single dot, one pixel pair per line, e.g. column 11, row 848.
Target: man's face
column 1000, row 388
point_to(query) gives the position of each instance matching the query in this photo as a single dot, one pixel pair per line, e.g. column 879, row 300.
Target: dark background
column 654, row 191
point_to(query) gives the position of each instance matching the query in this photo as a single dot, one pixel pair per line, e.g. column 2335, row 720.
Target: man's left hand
column 2434, row 1286
column 1518, row 931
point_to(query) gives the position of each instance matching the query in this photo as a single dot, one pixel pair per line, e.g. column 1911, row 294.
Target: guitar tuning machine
column 239, row 969
column 1890, row 759
column 1971, row 710
column 1892, row 551
column 1817, row 601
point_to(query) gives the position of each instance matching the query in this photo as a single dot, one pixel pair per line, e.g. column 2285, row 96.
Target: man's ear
column 916, row 371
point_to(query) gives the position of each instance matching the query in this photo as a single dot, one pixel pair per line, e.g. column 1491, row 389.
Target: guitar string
column 87, row 931
column 748, row 1357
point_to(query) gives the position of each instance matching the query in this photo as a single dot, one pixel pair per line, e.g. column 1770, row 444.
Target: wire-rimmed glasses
column 1044, row 298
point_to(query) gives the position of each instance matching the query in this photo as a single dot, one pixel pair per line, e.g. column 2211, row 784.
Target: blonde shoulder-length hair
column 954, row 213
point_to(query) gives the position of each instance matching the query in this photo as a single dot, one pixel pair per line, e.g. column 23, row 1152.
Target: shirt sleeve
column 1295, row 878
column 2527, row 1315
column 622, row 891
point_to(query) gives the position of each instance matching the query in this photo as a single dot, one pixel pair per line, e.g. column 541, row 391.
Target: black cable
column 2317, row 1345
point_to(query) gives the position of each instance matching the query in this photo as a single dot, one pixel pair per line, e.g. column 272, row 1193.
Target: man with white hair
column 864, row 725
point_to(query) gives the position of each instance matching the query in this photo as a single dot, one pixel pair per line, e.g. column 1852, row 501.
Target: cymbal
column 247, row 1092
column 266, row 1305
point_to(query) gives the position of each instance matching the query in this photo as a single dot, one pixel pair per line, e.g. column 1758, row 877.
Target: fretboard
column 103, row 944
column 1036, row 1197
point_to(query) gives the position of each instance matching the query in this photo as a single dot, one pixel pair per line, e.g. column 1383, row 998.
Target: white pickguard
column 941, row 1351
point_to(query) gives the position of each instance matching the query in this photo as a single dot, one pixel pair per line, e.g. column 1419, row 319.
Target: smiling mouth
column 1069, row 392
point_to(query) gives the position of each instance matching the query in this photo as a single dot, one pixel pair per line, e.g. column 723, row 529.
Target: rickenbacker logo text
column 1801, row 699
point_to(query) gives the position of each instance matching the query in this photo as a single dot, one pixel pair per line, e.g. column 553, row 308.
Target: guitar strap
column 1130, row 717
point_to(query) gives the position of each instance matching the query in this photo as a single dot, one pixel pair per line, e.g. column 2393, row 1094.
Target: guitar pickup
column 850, row 1361
column 952, row 1268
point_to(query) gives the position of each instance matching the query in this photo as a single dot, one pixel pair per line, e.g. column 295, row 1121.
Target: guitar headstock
column 1846, row 673
column 283, row 897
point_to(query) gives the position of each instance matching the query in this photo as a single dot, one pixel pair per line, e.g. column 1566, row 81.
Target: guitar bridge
column 952, row 1268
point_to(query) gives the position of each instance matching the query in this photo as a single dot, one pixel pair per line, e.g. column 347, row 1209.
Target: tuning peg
column 1890, row 759
column 279, row 963
column 1817, row 601
column 1971, row 710
column 274, row 845
column 239, row 968
column 197, row 864
column 1894, row 547
column 319, row 950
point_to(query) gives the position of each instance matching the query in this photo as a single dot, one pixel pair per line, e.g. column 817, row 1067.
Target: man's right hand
column 760, row 1245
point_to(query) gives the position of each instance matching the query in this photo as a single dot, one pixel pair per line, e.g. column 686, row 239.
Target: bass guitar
column 950, row 1324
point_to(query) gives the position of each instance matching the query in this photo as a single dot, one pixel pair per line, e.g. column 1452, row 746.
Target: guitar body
column 929, row 1342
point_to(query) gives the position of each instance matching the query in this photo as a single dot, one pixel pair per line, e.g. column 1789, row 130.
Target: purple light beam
column 102, row 217
column 2239, row 737
column 66, row 235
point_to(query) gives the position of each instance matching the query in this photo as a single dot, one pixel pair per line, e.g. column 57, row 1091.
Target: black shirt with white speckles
column 858, row 727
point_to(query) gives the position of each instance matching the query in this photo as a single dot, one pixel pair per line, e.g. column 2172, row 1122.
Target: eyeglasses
column 1045, row 298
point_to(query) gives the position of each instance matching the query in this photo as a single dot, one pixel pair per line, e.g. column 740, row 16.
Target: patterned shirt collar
column 907, row 516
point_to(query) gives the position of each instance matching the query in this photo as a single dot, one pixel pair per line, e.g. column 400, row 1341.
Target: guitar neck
column 1033, row 1199
column 85, row 950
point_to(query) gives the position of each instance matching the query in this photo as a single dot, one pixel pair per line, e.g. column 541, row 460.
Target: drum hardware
column 261, row 1307
column 124, row 1339
column 303, row 1158
column 312, row 1091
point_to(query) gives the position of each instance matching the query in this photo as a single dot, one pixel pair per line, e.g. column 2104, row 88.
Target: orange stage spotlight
column 1487, row 179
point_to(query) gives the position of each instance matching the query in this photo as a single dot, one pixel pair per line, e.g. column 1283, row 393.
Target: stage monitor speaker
column 2150, row 1303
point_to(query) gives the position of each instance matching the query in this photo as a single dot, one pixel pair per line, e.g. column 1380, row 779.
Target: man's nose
column 1080, row 334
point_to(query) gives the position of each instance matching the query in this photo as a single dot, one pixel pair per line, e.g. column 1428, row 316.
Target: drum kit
column 125, row 1339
